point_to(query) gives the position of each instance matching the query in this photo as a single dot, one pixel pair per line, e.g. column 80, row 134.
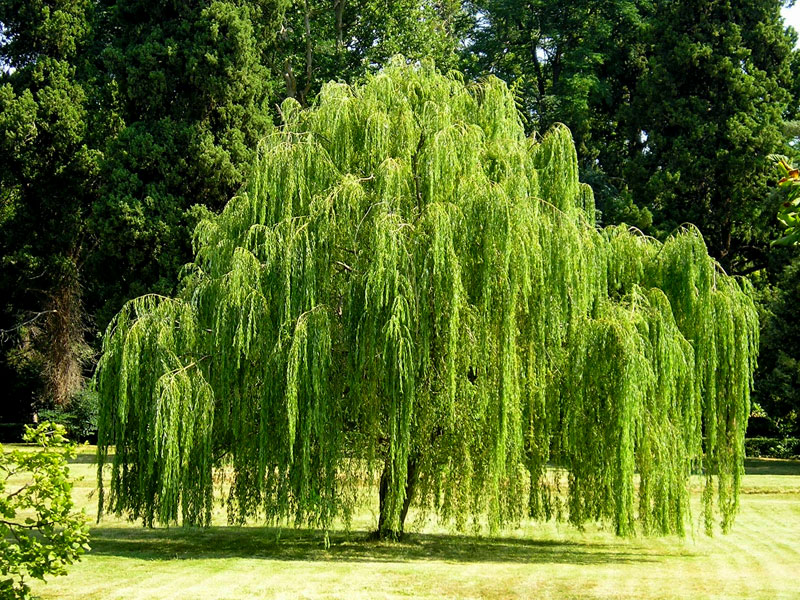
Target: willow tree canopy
column 409, row 281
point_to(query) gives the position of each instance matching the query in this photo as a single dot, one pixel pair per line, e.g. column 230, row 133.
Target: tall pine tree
column 197, row 85
column 709, row 111
column 189, row 81
column 671, row 104
column 48, row 181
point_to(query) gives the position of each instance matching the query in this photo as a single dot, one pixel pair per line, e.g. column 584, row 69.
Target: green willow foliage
column 409, row 283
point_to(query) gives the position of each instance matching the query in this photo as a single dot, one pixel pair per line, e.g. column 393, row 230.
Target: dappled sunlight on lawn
column 759, row 559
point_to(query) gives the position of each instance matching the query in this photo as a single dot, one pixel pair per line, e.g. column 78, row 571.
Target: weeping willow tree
column 411, row 290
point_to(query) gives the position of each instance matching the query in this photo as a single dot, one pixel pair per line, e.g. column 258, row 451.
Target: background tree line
column 122, row 122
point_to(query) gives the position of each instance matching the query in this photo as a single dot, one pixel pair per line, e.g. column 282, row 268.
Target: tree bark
column 384, row 533
column 338, row 7
column 540, row 83
column 65, row 347
column 309, row 54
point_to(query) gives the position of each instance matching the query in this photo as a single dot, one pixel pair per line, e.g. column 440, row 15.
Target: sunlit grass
column 760, row 559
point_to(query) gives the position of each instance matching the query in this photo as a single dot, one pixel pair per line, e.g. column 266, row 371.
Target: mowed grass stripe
column 772, row 543
column 760, row 559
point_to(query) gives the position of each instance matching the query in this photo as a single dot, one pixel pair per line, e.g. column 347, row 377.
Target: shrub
column 772, row 447
column 40, row 534
column 79, row 417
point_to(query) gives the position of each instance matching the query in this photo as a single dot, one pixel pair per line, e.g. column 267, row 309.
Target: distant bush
column 79, row 417
column 772, row 447
column 40, row 534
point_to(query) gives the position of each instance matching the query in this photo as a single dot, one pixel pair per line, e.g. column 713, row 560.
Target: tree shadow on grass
column 86, row 458
column 307, row 545
column 771, row 466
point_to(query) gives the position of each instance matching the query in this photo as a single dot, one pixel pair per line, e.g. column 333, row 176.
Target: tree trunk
column 385, row 533
column 338, row 7
column 309, row 55
column 65, row 348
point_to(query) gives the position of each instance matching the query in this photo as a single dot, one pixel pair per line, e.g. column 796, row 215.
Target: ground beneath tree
column 760, row 559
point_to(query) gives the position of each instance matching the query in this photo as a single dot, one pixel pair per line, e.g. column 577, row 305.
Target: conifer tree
column 189, row 83
column 197, row 84
column 579, row 66
column 48, row 174
column 712, row 99
column 411, row 287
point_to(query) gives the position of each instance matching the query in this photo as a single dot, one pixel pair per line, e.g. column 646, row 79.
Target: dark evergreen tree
column 190, row 83
column 778, row 384
column 49, row 124
column 709, row 110
column 777, row 388
column 197, row 86
column 674, row 98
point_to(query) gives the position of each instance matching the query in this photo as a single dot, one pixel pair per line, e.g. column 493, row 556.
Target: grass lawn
column 760, row 559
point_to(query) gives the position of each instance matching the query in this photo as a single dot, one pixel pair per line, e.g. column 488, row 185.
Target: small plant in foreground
column 40, row 534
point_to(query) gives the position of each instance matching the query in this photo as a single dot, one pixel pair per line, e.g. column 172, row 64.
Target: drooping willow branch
column 408, row 281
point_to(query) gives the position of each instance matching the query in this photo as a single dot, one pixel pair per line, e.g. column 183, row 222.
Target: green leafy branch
column 40, row 534
column 789, row 211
